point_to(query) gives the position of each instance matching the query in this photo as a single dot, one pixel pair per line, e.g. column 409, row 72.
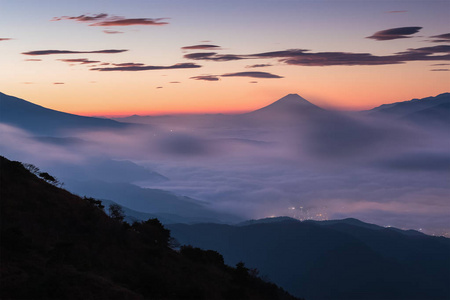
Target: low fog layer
column 289, row 159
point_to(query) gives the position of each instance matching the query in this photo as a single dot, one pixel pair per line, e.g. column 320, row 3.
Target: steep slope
column 339, row 260
column 43, row 121
column 55, row 245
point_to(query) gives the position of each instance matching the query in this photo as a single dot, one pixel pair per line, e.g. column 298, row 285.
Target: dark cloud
column 83, row 61
column 253, row 82
column 174, row 82
column 201, row 47
column 129, row 65
column 129, row 22
column 252, row 74
column 442, row 38
column 435, row 53
column 394, row 33
column 336, row 59
column 259, row 66
column 200, row 56
column 303, row 57
column 214, row 56
column 440, row 65
column 427, row 50
column 444, row 70
column 142, row 67
column 396, row 11
column 49, row 52
column 58, row 82
column 5, row 39
column 107, row 20
column 112, row 31
column 206, row 77
column 278, row 54
column 159, row 87
column 33, row 59
column 237, row 74
column 82, row 18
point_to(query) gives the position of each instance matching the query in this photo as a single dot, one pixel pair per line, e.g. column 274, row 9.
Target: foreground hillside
column 55, row 245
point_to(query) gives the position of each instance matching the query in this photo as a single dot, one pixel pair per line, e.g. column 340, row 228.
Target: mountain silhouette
column 435, row 116
column 339, row 259
column 289, row 104
column 401, row 109
column 291, row 110
column 43, row 121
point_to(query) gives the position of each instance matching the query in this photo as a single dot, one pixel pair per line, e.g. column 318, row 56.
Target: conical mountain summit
column 291, row 104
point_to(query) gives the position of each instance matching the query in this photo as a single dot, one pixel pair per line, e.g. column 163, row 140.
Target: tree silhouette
column 116, row 212
column 153, row 232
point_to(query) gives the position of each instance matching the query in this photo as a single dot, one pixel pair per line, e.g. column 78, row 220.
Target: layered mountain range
column 389, row 165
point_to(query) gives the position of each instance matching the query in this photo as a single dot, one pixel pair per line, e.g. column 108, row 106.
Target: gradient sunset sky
column 113, row 57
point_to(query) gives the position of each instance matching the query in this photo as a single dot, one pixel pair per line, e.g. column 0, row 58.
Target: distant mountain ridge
column 407, row 107
column 338, row 259
column 44, row 121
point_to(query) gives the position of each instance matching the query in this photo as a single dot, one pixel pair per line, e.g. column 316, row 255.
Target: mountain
column 289, row 104
column 43, row 121
column 437, row 115
column 147, row 200
column 340, row 259
column 132, row 215
column 267, row 221
column 108, row 170
column 55, row 245
column 402, row 109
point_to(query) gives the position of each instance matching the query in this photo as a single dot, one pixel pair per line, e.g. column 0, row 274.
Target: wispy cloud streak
column 252, row 75
column 107, row 20
column 201, row 47
column 83, row 61
column 441, row 38
column 141, row 67
column 394, row 33
column 50, row 52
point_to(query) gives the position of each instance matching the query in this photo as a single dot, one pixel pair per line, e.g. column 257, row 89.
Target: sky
column 148, row 57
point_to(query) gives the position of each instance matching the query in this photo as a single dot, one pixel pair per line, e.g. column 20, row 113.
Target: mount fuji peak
column 291, row 103
column 290, row 108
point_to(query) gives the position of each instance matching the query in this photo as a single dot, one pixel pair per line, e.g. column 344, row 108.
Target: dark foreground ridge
column 55, row 245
